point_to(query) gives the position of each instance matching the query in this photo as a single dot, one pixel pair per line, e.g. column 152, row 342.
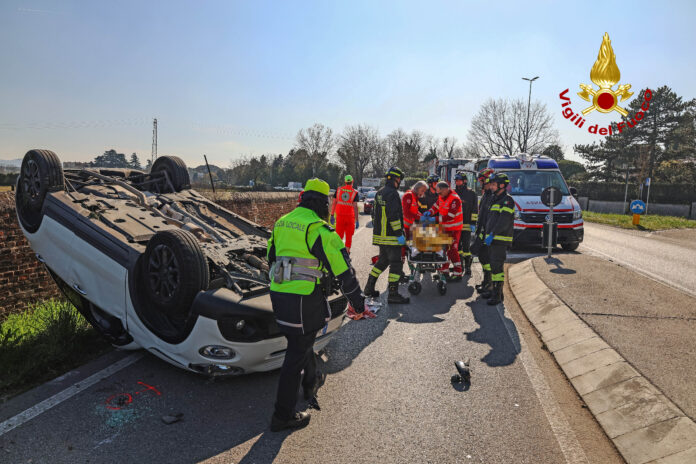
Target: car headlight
column 217, row 352
column 517, row 215
column 577, row 215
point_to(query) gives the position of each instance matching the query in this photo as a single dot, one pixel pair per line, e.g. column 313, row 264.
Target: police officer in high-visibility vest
column 448, row 211
column 498, row 231
column 388, row 234
column 480, row 249
column 344, row 208
column 469, row 216
column 304, row 251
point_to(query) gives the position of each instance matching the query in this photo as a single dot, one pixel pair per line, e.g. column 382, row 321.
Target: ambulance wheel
column 415, row 288
column 442, row 288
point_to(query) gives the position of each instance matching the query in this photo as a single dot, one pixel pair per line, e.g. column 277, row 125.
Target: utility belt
column 287, row 269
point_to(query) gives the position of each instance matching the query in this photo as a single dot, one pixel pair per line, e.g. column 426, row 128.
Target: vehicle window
column 534, row 182
column 371, row 194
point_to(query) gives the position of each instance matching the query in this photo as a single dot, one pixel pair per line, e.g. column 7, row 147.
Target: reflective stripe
column 474, row 217
column 383, row 220
column 464, row 253
column 375, row 272
column 498, row 277
column 481, row 236
column 407, row 222
column 486, row 267
column 300, row 261
column 494, row 208
column 289, row 324
column 502, row 238
column 395, row 225
column 505, row 209
column 384, row 240
column 451, row 225
column 394, row 277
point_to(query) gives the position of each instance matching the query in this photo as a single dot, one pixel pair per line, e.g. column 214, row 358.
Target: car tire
column 415, row 288
column 174, row 269
column 175, row 169
column 442, row 288
column 41, row 173
column 570, row 246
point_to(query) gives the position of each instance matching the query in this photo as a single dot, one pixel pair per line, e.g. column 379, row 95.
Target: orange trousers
column 345, row 227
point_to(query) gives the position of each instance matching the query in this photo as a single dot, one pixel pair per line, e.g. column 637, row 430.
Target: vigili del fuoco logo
column 604, row 74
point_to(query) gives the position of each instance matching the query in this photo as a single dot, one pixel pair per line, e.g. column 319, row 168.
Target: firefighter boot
column 485, row 283
column 369, row 290
column 496, row 294
column 394, row 296
column 467, row 264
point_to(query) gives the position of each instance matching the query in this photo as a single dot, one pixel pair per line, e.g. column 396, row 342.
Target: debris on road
column 170, row 419
column 464, row 370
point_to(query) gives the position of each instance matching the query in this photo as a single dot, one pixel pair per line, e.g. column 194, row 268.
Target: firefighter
column 344, row 211
column 388, row 234
column 409, row 204
column 304, row 252
column 469, row 216
column 481, row 250
column 498, row 233
column 431, row 196
column 449, row 211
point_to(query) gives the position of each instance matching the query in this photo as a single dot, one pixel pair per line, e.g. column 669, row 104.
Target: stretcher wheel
column 415, row 288
column 442, row 288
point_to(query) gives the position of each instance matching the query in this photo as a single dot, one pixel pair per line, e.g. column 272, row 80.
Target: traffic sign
column 551, row 196
column 637, row 207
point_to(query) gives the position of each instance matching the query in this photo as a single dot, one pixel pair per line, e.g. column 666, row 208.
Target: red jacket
column 409, row 204
column 449, row 210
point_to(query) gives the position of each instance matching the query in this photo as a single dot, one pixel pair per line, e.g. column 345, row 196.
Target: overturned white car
column 152, row 263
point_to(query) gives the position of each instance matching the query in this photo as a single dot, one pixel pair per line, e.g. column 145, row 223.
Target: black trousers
column 497, row 254
column 389, row 255
column 465, row 242
column 299, row 356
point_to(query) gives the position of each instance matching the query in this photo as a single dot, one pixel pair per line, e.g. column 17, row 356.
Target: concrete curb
column 645, row 426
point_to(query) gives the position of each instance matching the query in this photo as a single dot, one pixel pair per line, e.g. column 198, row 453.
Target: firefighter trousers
column 465, row 243
column 497, row 254
column 484, row 257
column 389, row 255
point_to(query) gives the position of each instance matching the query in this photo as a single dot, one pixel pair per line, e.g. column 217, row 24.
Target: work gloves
column 401, row 239
column 357, row 223
column 488, row 240
column 332, row 221
column 472, row 228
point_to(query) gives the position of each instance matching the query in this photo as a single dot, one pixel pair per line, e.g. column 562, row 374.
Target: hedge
column 664, row 193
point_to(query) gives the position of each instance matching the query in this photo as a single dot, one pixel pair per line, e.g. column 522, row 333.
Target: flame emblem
column 605, row 74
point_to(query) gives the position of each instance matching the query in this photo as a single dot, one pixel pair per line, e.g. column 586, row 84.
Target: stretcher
column 427, row 255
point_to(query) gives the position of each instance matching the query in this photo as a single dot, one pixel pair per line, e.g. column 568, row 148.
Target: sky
column 237, row 78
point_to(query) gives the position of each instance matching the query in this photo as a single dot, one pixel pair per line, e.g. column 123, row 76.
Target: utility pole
column 529, row 102
column 153, row 157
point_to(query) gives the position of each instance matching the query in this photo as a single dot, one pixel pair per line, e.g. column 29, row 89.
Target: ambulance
column 529, row 176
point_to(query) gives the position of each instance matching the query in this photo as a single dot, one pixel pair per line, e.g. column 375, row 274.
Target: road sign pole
column 550, row 243
column 647, row 199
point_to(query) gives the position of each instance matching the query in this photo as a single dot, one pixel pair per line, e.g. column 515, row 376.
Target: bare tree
column 450, row 149
column 360, row 147
column 318, row 141
column 500, row 127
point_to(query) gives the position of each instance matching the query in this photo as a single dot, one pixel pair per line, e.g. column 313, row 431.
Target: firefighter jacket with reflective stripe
column 482, row 213
column 411, row 210
column 500, row 219
column 344, row 202
column 294, row 236
column 469, row 205
column 388, row 217
column 449, row 210
column 429, row 200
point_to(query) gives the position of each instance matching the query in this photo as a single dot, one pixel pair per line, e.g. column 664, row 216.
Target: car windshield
column 527, row 182
column 371, row 194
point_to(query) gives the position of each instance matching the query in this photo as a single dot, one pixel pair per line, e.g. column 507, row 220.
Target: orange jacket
column 449, row 210
column 343, row 204
column 409, row 204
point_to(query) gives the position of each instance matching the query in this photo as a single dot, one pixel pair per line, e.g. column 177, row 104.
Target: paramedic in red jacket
column 344, row 209
column 409, row 204
column 448, row 211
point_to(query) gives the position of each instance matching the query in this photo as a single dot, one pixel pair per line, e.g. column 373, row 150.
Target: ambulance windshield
column 530, row 182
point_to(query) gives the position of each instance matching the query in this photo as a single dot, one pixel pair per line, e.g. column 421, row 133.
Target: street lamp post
column 529, row 102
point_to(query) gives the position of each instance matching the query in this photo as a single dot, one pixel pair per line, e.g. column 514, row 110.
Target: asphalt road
column 667, row 256
column 388, row 398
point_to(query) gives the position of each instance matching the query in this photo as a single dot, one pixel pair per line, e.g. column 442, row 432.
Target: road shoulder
column 643, row 423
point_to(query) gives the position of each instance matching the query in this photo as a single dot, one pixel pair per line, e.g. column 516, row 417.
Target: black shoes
column 467, row 264
column 369, row 289
column 484, row 286
column 394, row 295
column 496, row 295
column 299, row 420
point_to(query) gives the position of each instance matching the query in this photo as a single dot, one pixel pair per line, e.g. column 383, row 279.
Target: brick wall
column 23, row 279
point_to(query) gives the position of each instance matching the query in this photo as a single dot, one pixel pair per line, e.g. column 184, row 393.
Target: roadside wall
column 23, row 280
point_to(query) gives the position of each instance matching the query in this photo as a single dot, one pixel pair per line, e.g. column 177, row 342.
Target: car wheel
column 174, row 270
column 175, row 169
column 442, row 287
column 41, row 173
column 570, row 246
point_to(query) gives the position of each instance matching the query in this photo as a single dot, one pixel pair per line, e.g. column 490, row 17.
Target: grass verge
column 647, row 222
column 47, row 340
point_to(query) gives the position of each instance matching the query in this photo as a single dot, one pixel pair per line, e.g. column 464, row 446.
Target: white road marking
column 570, row 447
column 68, row 393
column 642, row 271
